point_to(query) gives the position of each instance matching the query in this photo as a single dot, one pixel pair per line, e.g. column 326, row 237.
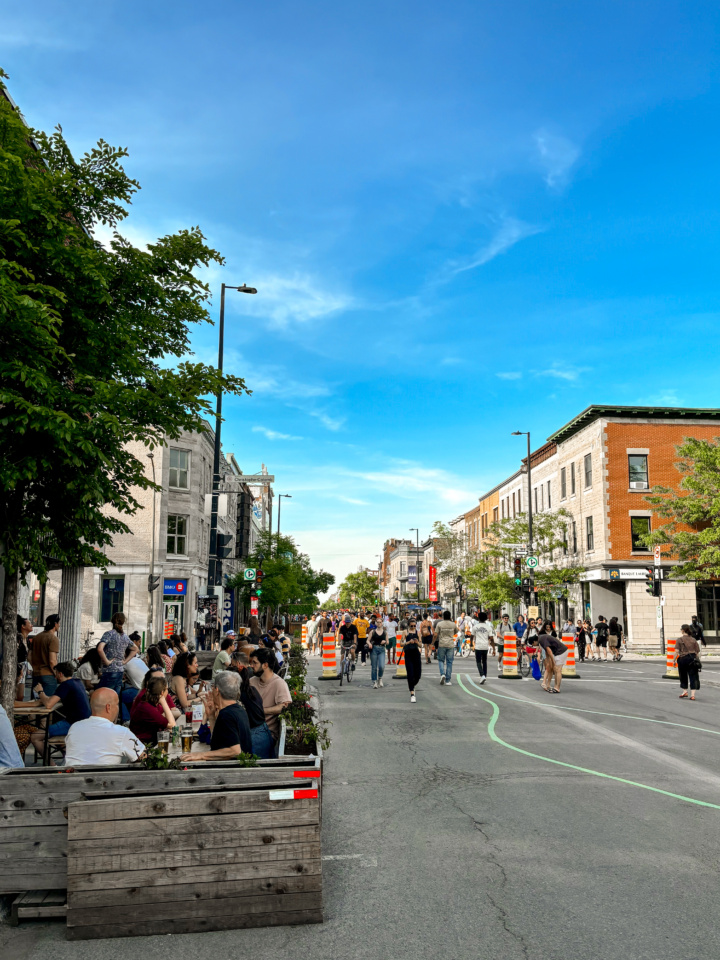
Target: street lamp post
column 526, row 433
column 151, row 576
column 417, row 560
column 213, row 560
column 288, row 496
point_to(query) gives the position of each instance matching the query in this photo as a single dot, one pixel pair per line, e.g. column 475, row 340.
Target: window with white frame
column 588, row 470
column 589, row 534
column 179, row 461
column 176, row 535
column 563, row 483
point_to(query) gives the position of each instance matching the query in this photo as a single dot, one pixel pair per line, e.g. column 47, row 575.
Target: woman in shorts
column 426, row 635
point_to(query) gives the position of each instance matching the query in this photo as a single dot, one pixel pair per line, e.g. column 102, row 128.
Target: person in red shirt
column 151, row 710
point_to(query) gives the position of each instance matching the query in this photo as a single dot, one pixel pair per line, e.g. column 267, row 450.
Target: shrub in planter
column 304, row 731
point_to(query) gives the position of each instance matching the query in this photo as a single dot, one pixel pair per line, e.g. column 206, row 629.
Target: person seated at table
column 89, row 669
column 72, row 694
column 133, row 676
column 153, row 657
column 273, row 690
column 99, row 741
column 185, row 672
column 165, row 655
column 227, row 720
column 222, row 660
column 150, row 711
column 263, row 745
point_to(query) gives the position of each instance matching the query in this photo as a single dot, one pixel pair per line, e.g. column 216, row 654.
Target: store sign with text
column 432, row 583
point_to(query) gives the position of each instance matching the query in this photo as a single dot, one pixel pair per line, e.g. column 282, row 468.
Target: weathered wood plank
column 203, row 874
column 257, row 886
column 187, row 909
column 192, row 840
column 17, row 883
column 44, row 793
column 51, row 817
column 45, row 834
column 275, row 782
column 52, row 849
column 188, row 859
column 290, row 816
column 181, row 805
column 236, row 921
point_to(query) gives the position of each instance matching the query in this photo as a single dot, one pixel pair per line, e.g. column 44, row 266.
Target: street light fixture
column 526, row 433
column 214, row 574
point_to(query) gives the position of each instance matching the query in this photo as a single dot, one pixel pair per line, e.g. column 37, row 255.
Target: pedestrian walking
column 601, row 640
column 483, row 633
column 584, row 638
column 697, row 630
column 615, row 632
column 413, row 660
column 378, row 643
column 426, row 634
column 392, row 628
column 363, row 626
column 444, row 642
column 687, row 658
column 520, row 627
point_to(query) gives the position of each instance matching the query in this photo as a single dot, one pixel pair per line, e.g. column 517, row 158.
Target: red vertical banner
column 432, row 583
column 253, row 606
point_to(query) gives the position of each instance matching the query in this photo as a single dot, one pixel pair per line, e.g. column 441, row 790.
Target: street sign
column 657, row 556
column 531, row 562
column 253, row 606
column 629, row 573
column 532, row 612
column 249, row 574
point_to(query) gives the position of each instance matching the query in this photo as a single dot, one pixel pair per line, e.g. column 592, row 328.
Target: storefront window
column 111, row 597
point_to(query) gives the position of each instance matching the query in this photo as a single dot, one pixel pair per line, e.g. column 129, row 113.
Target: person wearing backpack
column 601, row 642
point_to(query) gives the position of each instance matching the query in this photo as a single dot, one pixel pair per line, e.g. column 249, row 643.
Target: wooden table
column 33, row 708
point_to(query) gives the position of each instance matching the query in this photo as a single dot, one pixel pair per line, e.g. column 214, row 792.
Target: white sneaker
column 442, row 680
column 380, row 683
column 482, row 680
column 448, row 683
column 374, row 684
column 412, row 698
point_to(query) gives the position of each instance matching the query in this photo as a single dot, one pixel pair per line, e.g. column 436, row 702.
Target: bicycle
column 467, row 647
column 524, row 661
column 347, row 666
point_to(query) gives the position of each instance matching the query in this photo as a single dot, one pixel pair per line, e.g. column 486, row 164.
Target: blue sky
column 463, row 218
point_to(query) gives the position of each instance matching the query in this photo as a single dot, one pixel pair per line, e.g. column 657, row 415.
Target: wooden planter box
column 198, row 861
column 34, row 805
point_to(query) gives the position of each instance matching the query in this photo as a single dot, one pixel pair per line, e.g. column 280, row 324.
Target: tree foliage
column 362, row 586
column 288, row 580
column 690, row 514
column 91, row 346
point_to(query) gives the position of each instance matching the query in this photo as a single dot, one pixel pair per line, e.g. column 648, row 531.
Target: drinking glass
column 187, row 739
column 164, row 740
column 188, row 714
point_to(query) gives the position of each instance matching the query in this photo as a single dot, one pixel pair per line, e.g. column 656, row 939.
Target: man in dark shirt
column 227, row 719
column 697, row 630
column 601, row 641
column 75, row 704
column 348, row 634
column 556, row 654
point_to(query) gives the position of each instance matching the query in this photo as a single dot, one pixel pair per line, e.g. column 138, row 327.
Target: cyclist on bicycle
column 348, row 635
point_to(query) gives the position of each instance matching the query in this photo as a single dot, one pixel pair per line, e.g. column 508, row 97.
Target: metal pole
column 278, row 533
column 530, row 516
column 152, row 560
column 417, row 562
column 212, row 561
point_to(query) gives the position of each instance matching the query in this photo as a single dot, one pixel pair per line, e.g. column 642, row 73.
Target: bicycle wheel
column 524, row 664
column 349, row 671
column 342, row 671
column 465, row 652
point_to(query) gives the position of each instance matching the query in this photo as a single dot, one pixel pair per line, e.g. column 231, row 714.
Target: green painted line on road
column 561, row 763
column 599, row 713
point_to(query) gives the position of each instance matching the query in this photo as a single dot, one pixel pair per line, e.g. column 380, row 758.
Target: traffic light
column 223, row 542
column 518, row 578
column 153, row 583
column 259, row 577
column 650, row 582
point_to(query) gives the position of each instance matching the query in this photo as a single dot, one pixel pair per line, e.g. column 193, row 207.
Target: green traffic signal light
column 518, row 581
column 258, row 593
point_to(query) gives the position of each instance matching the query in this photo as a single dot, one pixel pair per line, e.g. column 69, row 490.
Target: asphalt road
column 458, row 838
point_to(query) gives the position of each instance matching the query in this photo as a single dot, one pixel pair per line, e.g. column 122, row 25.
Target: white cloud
column 510, row 375
column 273, row 434
column 560, row 374
column 354, row 501
column 510, row 232
column 332, row 423
column 295, row 298
column 557, row 156
column 405, row 479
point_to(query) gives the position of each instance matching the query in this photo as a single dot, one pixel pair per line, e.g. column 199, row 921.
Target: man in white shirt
column 312, row 629
column 483, row 635
column 99, row 741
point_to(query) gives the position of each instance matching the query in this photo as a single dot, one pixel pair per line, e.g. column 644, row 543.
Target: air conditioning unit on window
column 638, row 485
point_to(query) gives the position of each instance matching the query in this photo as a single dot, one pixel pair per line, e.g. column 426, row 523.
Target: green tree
column 362, row 586
column 690, row 514
column 90, row 339
column 289, row 580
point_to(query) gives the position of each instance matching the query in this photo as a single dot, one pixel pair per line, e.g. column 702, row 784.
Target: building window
column 565, row 541
column 572, row 479
column 536, row 500
column 639, row 527
column 502, row 509
column 638, row 470
column 179, row 468
column 514, row 509
column 549, row 499
column 112, row 594
column 574, row 537
column 589, row 534
column 563, row 483
column 588, row 471
column 519, row 501
column 176, row 535
column 403, row 568
column 495, row 514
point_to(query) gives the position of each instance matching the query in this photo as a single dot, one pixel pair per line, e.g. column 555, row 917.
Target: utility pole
column 214, row 579
column 151, row 578
column 520, row 433
column 288, row 496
